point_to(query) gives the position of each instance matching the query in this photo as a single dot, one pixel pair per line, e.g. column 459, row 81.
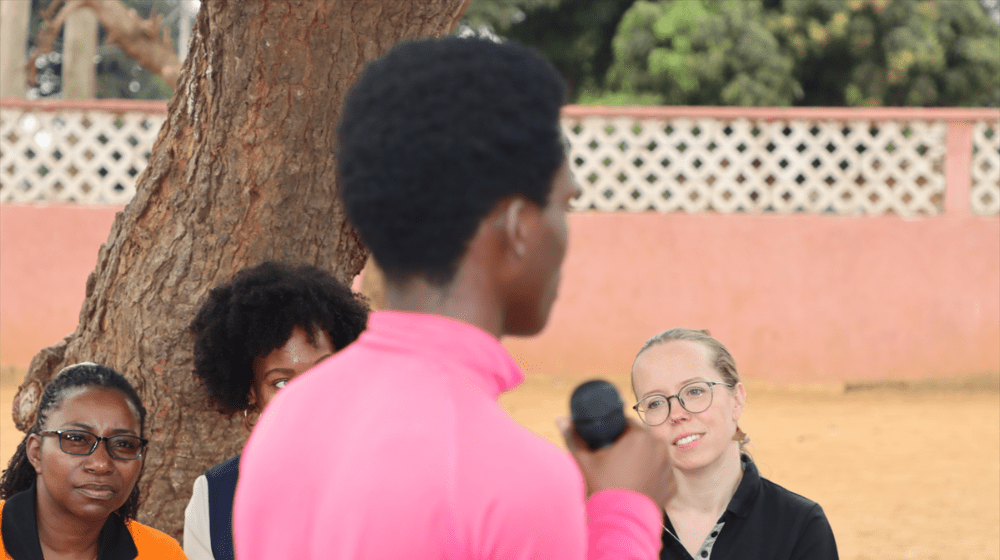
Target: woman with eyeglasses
column 253, row 335
column 690, row 394
column 70, row 488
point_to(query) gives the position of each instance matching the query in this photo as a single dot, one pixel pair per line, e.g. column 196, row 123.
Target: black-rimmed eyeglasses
column 694, row 397
column 82, row 442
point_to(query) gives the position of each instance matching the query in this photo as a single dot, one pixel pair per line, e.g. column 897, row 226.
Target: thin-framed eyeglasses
column 82, row 442
column 694, row 397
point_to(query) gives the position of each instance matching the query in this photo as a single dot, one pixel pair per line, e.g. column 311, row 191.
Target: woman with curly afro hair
column 253, row 335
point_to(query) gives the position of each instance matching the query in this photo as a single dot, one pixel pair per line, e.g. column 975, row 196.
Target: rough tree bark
column 242, row 171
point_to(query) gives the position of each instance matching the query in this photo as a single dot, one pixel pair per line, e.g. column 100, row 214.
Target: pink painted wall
column 798, row 299
column 46, row 254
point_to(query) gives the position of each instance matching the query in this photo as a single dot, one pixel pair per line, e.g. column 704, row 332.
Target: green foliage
column 898, row 53
column 575, row 35
column 706, row 52
column 770, row 52
column 701, row 52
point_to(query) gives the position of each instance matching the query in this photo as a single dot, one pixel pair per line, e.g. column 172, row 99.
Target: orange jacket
column 151, row 543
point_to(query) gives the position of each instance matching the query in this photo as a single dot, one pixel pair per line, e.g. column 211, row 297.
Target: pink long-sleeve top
column 397, row 447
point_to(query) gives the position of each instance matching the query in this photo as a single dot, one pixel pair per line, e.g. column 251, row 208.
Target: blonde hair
column 720, row 359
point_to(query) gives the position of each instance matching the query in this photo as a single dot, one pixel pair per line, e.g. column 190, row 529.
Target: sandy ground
column 903, row 472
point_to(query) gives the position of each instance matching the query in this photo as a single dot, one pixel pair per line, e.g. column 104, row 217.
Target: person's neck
column 708, row 489
column 64, row 536
column 462, row 299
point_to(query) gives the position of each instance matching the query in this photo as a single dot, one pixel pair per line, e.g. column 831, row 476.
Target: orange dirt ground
column 904, row 472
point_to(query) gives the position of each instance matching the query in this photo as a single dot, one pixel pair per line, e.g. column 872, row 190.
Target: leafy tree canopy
column 900, row 52
column 700, row 52
column 576, row 35
column 768, row 52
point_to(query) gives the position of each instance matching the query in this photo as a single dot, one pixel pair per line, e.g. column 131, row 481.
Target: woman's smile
column 687, row 441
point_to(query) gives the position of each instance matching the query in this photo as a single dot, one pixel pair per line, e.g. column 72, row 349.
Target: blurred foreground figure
column 453, row 172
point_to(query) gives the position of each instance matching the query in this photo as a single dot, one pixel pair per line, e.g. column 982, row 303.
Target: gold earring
column 740, row 435
column 246, row 419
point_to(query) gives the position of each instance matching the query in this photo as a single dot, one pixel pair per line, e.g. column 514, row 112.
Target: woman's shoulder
column 801, row 517
column 788, row 500
column 151, row 543
column 229, row 467
column 154, row 544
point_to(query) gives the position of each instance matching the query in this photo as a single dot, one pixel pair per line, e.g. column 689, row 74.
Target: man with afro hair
column 453, row 171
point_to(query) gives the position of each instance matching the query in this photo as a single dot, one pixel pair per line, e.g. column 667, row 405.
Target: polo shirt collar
column 19, row 530
column 747, row 491
column 445, row 338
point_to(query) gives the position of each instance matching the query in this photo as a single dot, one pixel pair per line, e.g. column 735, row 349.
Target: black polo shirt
column 19, row 530
column 762, row 522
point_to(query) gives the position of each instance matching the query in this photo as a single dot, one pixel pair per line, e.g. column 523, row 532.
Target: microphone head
column 596, row 410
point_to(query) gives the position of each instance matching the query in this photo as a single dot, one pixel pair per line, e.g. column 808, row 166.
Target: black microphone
column 596, row 409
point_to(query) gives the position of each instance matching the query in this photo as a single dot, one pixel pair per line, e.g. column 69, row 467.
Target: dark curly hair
column 20, row 474
column 255, row 313
column 433, row 136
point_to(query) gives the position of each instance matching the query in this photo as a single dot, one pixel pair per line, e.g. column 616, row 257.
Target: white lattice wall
column 986, row 168
column 742, row 165
column 84, row 156
column 731, row 160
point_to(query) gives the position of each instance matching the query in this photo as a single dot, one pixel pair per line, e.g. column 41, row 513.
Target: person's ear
column 514, row 226
column 739, row 400
column 32, row 449
column 252, row 397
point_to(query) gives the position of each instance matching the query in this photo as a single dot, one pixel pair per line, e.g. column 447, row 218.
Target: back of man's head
column 433, row 136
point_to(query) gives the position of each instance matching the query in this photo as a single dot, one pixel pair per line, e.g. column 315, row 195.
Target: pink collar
column 447, row 339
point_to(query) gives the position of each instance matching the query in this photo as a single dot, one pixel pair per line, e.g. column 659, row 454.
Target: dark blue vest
column 221, row 491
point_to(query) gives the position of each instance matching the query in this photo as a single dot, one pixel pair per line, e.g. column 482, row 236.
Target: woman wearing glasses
column 70, row 488
column 271, row 323
column 689, row 392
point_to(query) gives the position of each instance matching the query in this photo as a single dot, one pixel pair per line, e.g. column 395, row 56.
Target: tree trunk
column 242, row 171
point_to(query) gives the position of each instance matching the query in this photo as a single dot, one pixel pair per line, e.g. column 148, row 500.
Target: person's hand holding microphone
column 611, row 451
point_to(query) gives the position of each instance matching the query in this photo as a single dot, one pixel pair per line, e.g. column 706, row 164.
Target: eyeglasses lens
column 85, row 443
column 694, row 397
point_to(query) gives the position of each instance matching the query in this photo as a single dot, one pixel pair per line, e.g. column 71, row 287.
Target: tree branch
column 143, row 40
